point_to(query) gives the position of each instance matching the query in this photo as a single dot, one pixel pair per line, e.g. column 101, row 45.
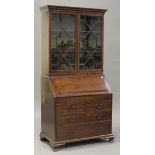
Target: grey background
column 111, row 70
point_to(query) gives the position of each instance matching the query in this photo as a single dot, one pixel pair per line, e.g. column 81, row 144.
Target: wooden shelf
column 90, row 31
column 63, row 31
column 67, row 49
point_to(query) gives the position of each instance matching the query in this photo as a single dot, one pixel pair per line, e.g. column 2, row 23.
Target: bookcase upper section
column 72, row 40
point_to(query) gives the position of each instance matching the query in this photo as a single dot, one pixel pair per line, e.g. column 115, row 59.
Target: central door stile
column 78, row 42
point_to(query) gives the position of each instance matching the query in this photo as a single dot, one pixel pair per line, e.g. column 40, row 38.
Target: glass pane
column 90, row 42
column 63, row 42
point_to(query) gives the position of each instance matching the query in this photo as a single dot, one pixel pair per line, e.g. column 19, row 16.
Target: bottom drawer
column 67, row 132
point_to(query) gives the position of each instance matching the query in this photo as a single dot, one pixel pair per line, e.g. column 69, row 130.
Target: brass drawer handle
column 71, row 119
column 99, row 129
column 99, row 116
column 70, row 133
column 71, row 107
column 98, row 106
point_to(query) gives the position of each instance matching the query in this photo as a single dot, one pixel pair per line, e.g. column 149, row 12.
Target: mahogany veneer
column 76, row 101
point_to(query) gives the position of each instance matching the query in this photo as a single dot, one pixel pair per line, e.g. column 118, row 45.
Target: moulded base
column 56, row 145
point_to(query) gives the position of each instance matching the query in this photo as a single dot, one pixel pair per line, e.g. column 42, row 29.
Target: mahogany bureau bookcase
column 76, row 101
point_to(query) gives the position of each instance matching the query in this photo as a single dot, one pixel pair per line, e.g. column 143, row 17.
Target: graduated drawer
column 76, row 118
column 66, row 132
column 82, row 104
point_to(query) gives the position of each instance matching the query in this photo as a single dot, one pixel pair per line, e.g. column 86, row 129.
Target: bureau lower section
column 69, row 119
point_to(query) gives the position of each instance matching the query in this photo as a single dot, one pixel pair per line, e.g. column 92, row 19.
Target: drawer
column 82, row 104
column 76, row 118
column 99, row 106
column 66, row 108
column 70, row 105
column 82, row 130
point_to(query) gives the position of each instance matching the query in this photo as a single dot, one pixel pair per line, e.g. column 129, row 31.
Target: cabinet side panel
column 45, row 43
column 47, row 109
